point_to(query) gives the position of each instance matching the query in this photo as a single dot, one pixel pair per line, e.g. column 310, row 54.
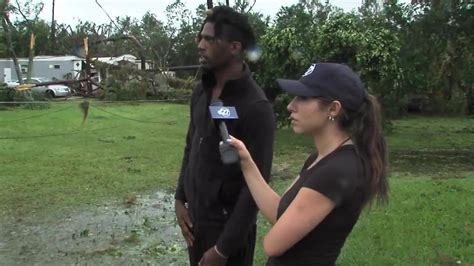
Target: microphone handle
column 223, row 130
column 229, row 154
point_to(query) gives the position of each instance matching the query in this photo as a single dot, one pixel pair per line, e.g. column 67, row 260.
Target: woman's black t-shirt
column 339, row 177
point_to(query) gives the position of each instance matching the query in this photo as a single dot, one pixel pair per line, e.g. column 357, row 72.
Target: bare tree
column 131, row 37
column 244, row 6
column 31, row 25
column 7, row 26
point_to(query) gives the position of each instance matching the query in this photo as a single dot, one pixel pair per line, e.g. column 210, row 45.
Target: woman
column 315, row 215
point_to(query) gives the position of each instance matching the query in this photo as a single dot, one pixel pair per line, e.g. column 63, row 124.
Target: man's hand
column 184, row 222
column 212, row 258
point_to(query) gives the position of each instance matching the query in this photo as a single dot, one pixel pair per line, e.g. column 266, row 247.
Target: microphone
column 219, row 112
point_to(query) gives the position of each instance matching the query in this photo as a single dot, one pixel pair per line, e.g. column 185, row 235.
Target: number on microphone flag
column 223, row 112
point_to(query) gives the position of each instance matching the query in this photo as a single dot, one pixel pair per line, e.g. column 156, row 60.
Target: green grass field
column 53, row 162
column 108, row 156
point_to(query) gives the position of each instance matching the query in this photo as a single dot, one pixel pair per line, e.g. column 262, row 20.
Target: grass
column 107, row 157
column 427, row 223
column 429, row 220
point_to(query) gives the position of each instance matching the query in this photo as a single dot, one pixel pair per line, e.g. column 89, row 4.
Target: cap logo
column 310, row 70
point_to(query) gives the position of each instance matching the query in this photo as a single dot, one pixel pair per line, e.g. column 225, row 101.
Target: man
column 214, row 207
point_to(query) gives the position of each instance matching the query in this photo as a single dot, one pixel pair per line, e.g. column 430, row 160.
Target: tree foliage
column 403, row 52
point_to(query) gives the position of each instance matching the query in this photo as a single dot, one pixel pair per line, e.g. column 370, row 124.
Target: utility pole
column 52, row 36
column 88, row 68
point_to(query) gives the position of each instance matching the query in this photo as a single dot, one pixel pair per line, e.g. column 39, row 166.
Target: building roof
column 64, row 58
column 57, row 58
column 114, row 60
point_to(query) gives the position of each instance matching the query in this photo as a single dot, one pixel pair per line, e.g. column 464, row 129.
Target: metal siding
column 41, row 68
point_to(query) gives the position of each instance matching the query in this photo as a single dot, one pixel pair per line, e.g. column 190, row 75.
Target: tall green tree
column 288, row 44
column 438, row 57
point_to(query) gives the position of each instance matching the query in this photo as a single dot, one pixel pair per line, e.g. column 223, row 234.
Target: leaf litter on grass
column 138, row 230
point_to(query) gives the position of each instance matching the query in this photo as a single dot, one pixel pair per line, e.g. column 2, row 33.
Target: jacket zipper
column 200, row 141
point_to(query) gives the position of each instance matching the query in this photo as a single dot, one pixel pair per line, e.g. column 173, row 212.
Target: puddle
column 139, row 231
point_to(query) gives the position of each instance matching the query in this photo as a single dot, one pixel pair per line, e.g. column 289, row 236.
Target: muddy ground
column 139, row 231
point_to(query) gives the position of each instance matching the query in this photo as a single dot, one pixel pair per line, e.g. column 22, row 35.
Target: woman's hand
column 244, row 154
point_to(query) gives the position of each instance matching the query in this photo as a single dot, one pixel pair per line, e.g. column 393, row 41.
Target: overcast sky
column 69, row 11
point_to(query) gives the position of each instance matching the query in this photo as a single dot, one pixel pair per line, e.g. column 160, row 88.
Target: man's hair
column 229, row 25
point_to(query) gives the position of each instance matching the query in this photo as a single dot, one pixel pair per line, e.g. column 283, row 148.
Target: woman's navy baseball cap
column 328, row 80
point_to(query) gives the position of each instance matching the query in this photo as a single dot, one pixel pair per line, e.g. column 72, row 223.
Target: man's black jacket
column 217, row 194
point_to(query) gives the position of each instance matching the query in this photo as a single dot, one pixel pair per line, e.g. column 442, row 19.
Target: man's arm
column 179, row 194
column 259, row 131
column 182, row 214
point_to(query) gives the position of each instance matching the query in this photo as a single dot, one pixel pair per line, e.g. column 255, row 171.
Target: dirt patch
column 139, row 230
column 446, row 260
column 439, row 163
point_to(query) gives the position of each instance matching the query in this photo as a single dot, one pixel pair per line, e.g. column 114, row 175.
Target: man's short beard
column 213, row 67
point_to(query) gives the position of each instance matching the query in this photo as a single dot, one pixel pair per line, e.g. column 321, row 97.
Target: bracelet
column 220, row 254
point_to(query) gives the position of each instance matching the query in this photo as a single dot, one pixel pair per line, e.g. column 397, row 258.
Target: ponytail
column 367, row 134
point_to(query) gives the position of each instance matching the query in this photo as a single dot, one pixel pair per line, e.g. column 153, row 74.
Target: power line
column 96, row 107
column 124, row 117
column 35, row 116
column 73, row 132
column 57, row 134
column 106, row 13
column 13, row 102
column 104, row 101
column 147, row 101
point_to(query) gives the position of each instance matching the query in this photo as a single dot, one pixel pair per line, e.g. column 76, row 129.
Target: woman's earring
column 331, row 118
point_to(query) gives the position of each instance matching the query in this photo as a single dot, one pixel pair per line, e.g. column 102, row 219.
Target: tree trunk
column 470, row 98
column 8, row 37
column 30, row 57
column 209, row 4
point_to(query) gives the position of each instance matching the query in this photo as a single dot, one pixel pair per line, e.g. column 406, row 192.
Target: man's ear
column 236, row 48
